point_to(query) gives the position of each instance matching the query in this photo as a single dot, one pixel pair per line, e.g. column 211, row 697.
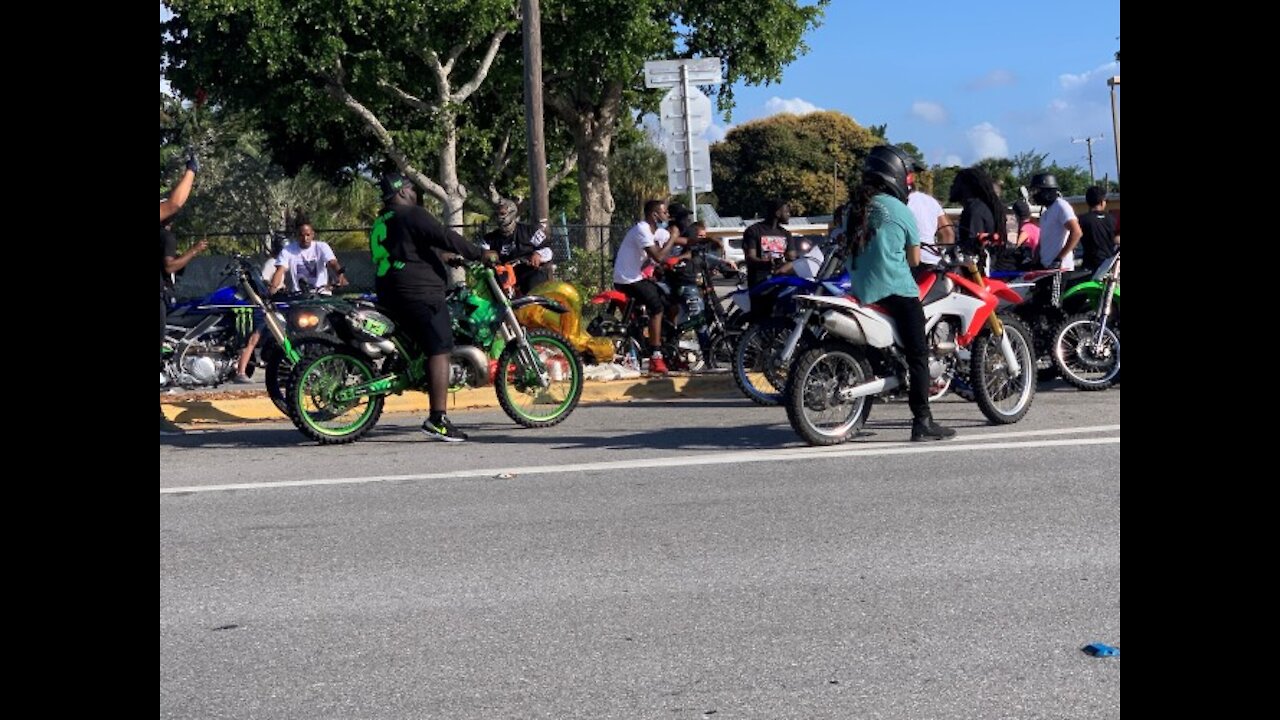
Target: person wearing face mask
column 520, row 244
column 1059, row 228
column 638, row 248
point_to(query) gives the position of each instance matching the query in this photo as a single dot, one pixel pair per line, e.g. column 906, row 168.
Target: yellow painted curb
column 195, row 409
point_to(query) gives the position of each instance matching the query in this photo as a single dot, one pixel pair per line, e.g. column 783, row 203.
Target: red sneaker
column 657, row 366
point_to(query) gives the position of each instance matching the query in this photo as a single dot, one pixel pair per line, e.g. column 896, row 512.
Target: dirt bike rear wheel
column 813, row 388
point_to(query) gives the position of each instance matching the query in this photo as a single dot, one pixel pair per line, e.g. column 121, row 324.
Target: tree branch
column 333, row 83
column 441, row 75
column 411, row 101
column 454, row 52
column 465, row 91
column 569, row 165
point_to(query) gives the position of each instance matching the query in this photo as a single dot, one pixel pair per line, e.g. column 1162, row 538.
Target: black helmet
column 1044, row 181
column 891, row 165
column 391, row 184
column 1044, row 188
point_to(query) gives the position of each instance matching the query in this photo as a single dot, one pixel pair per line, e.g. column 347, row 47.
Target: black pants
column 908, row 315
column 424, row 317
column 529, row 277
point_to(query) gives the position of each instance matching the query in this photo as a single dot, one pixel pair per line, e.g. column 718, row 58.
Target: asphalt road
column 680, row 559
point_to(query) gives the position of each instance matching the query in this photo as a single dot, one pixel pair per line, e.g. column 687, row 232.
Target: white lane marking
column 733, row 456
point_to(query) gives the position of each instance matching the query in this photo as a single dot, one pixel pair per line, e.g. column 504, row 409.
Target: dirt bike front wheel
column 519, row 390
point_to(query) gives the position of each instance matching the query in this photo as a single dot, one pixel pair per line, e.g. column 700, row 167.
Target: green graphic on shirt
column 377, row 235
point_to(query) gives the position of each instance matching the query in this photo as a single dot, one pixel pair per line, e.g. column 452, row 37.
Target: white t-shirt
column 926, row 210
column 269, row 270
column 1054, row 233
column 629, row 266
column 310, row 264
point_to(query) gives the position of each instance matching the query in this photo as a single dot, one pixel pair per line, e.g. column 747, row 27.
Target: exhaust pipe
column 875, row 387
column 843, row 327
column 474, row 358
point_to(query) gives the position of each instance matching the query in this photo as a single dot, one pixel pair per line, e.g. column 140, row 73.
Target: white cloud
column 995, row 78
column 930, row 112
column 716, row 132
column 1081, row 108
column 987, row 141
column 952, row 160
column 1099, row 75
column 795, row 106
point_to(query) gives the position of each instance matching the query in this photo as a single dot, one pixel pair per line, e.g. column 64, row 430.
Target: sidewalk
column 250, row 403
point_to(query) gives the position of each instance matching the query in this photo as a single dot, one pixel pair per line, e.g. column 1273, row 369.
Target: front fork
column 512, row 330
column 789, row 347
column 997, row 327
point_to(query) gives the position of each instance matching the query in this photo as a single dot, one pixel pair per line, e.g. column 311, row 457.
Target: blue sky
column 961, row 80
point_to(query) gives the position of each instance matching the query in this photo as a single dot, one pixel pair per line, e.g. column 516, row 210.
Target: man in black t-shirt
column 410, row 278
column 1097, row 230
column 767, row 245
column 521, row 244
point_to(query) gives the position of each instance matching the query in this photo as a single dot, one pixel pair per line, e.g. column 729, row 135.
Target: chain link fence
column 583, row 254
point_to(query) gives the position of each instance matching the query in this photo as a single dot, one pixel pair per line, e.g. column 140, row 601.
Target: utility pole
column 538, row 200
column 1089, row 142
column 1114, row 83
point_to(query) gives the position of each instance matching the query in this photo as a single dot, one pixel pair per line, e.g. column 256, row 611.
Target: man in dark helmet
column 1059, row 228
column 411, row 279
column 884, row 246
column 521, row 243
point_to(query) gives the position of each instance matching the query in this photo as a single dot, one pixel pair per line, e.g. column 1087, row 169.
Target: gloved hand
column 193, row 163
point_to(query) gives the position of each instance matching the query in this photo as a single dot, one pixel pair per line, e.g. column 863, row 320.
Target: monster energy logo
column 244, row 321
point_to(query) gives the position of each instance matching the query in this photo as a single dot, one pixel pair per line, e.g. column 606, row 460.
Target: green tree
column 596, row 49
column 638, row 172
column 391, row 76
column 809, row 160
column 241, row 189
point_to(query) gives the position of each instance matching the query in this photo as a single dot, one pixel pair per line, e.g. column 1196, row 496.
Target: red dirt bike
column 858, row 354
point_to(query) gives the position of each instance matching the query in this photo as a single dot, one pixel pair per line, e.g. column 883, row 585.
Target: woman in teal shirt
column 885, row 245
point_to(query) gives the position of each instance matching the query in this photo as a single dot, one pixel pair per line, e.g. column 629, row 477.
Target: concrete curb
column 232, row 407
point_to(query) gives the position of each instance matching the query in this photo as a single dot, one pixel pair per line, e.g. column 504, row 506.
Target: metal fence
column 583, row 254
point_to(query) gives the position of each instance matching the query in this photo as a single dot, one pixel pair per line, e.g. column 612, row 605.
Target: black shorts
column 645, row 292
column 426, row 321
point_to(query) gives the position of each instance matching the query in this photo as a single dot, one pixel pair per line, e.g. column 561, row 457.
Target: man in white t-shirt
column 930, row 218
column 638, row 248
column 307, row 261
column 1059, row 228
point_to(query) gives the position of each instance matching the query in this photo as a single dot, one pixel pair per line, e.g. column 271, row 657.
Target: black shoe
column 924, row 428
column 443, row 430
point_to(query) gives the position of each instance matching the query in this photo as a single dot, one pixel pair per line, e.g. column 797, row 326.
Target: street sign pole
column 688, row 137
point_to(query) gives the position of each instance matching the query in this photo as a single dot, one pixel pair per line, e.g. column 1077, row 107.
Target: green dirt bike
column 1086, row 347
column 336, row 394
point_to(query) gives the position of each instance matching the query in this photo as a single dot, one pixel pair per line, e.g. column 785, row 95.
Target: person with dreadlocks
column 884, row 245
column 982, row 216
column 521, row 244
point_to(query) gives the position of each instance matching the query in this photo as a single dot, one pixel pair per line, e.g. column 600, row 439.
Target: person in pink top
column 1028, row 231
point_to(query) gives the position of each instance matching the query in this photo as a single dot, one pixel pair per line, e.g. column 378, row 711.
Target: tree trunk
column 593, row 129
